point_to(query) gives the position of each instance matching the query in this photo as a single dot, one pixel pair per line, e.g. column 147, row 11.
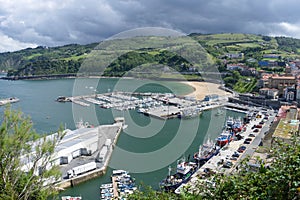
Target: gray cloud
column 54, row 22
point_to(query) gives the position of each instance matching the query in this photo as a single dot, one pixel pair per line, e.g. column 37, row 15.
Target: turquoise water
column 150, row 145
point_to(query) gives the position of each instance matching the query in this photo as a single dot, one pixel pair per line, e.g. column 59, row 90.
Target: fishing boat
column 184, row 172
column 230, row 122
column 206, row 151
column 224, row 138
column 237, row 125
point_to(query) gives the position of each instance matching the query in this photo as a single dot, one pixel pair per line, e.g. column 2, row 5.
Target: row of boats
column 185, row 170
column 121, row 186
column 142, row 103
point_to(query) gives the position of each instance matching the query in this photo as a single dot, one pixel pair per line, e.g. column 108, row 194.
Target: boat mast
column 170, row 169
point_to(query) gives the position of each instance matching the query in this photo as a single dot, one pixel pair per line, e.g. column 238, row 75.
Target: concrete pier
column 105, row 132
column 216, row 163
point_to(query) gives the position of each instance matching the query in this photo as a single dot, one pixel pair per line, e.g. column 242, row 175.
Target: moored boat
column 206, row 151
column 237, row 125
column 230, row 122
column 122, row 185
column 8, row 100
column 224, row 138
column 184, row 172
column 106, row 186
column 63, row 99
column 70, row 198
column 189, row 113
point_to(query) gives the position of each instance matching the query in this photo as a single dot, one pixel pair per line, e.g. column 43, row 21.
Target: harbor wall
column 82, row 178
column 256, row 101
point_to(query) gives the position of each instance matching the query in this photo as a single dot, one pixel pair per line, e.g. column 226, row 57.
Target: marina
column 121, row 186
column 159, row 105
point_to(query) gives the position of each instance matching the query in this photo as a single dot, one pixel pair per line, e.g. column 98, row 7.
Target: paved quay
column 216, row 163
column 84, row 145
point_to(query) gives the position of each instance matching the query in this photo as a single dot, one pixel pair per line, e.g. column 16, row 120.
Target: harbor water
column 143, row 136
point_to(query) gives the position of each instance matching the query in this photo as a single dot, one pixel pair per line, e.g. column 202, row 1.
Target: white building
column 80, row 142
column 270, row 93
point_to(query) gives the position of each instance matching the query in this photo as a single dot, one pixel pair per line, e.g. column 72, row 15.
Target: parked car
column 233, row 158
column 258, row 126
column 251, row 135
column 227, row 164
column 247, row 142
column 241, row 149
column 239, row 137
column 256, row 130
column 235, row 154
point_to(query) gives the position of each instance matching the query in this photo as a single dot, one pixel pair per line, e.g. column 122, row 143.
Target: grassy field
column 245, row 85
column 75, row 57
column 33, row 56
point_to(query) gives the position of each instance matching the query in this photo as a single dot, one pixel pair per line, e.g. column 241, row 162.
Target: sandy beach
column 201, row 89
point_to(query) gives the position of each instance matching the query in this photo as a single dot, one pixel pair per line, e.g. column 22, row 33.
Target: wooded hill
column 68, row 59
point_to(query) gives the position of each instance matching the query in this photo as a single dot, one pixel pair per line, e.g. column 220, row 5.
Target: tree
column 148, row 193
column 20, row 144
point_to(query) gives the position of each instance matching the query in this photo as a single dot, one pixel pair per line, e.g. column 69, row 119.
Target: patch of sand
column 201, row 89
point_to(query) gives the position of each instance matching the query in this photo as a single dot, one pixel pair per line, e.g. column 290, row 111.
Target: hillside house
column 269, row 93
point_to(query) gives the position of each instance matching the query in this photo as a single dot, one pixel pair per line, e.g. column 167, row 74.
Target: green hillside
column 220, row 44
column 69, row 58
column 45, row 60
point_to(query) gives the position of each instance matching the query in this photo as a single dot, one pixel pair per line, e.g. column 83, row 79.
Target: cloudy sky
column 28, row 23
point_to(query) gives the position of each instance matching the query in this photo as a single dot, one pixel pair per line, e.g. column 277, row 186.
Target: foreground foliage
column 279, row 181
column 18, row 140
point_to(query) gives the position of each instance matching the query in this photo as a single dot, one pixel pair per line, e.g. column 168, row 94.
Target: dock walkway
column 115, row 187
